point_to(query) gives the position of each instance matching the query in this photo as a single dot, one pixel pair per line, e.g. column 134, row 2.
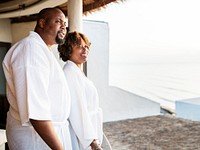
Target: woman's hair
column 72, row 39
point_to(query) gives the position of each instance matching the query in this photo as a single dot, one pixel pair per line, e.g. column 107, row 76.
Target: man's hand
column 47, row 132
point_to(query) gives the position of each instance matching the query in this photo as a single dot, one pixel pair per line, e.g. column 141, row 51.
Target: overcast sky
column 153, row 30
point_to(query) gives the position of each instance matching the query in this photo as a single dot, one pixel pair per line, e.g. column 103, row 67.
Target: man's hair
column 44, row 13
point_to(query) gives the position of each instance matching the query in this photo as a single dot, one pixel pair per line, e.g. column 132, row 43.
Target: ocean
column 164, row 83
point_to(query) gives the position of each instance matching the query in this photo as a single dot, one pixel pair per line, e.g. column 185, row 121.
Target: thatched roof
column 12, row 6
column 91, row 5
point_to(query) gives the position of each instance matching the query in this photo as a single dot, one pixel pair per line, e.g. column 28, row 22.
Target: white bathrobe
column 36, row 89
column 85, row 116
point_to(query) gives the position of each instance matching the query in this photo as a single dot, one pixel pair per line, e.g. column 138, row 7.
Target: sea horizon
column 164, row 83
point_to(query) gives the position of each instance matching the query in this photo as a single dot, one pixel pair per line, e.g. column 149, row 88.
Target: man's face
column 55, row 27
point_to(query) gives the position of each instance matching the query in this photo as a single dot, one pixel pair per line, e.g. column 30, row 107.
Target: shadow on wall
column 4, row 106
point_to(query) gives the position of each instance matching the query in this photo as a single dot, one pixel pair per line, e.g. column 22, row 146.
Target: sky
column 144, row 31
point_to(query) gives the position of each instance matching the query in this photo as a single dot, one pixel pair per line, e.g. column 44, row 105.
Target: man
column 38, row 96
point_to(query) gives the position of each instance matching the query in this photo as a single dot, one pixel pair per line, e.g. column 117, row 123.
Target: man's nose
column 63, row 25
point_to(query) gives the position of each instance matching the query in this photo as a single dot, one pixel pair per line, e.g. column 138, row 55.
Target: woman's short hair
column 72, row 39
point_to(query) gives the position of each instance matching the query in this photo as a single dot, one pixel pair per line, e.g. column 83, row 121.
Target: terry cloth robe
column 85, row 116
column 36, row 89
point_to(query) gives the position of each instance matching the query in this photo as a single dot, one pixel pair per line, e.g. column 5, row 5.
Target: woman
column 85, row 116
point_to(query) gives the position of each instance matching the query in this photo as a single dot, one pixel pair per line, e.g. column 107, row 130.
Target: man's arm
column 47, row 132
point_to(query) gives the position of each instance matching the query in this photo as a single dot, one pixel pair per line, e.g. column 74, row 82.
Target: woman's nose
column 86, row 49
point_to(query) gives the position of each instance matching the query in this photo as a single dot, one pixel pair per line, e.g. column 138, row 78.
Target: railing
column 106, row 144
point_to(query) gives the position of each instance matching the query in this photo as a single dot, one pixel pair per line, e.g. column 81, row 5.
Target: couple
column 41, row 102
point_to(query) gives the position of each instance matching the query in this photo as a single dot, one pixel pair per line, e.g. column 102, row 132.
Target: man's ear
column 41, row 23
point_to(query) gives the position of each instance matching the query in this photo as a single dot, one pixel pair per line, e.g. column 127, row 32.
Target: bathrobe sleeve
column 31, row 77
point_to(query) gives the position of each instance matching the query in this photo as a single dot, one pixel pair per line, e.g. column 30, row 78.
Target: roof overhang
column 20, row 8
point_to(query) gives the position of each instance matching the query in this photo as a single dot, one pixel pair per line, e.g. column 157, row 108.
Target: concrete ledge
column 188, row 109
column 3, row 139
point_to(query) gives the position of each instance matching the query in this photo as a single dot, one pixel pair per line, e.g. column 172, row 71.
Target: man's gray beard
column 59, row 40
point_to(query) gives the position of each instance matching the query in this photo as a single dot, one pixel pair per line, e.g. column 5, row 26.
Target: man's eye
column 58, row 21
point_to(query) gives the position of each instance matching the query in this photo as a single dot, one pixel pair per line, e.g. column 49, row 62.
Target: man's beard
column 59, row 40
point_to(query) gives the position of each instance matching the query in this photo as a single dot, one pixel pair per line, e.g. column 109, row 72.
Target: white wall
column 5, row 30
column 5, row 36
column 21, row 30
column 11, row 33
column 117, row 104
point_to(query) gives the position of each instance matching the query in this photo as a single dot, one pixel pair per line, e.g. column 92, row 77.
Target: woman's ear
column 41, row 23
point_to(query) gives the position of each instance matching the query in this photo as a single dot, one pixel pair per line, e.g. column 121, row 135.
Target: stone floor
column 162, row 132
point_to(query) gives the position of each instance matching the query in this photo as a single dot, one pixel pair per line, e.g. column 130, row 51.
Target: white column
column 75, row 10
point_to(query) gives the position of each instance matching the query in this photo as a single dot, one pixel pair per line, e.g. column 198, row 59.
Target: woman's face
column 79, row 53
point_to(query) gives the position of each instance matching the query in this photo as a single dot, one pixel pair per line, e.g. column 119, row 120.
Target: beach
column 161, row 132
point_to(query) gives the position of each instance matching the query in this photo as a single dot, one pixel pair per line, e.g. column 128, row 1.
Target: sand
column 162, row 132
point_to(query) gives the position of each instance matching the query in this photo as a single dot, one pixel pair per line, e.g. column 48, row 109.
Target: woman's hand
column 95, row 146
